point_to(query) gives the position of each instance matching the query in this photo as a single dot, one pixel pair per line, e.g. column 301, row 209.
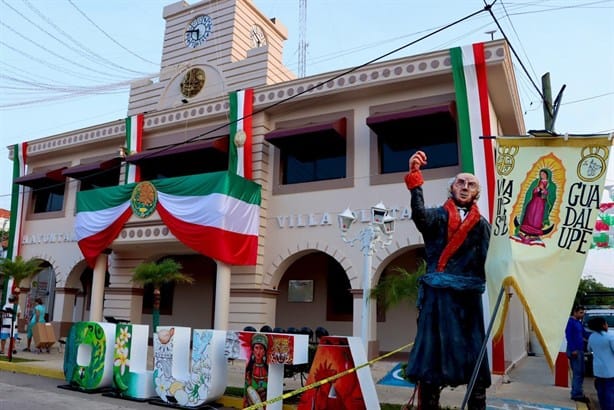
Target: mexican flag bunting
column 240, row 147
column 471, row 86
column 217, row 214
column 134, row 141
column 17, row 193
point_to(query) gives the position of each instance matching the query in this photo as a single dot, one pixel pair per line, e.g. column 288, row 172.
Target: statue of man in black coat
column 450, row 322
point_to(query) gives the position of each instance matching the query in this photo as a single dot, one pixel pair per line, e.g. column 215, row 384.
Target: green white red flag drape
column 471, row 86
column 477, row 154
column 241, row 108
column 217, row 214
column 17, row 192
column 134, row 141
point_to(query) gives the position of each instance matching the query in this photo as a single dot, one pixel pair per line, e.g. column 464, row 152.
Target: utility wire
column 83, row 50
column 539, row 91
column 108, row 36
column 285, row 100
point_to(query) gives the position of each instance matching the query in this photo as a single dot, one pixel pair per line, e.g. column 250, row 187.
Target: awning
column 313, row 140
column 86, row 170
column 375, row 120
column 42, row 178
column 214, row 145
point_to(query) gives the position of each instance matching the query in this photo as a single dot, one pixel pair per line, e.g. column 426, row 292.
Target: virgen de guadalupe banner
column 547, row 197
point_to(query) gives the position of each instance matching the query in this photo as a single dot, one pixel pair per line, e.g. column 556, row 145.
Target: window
column 397, row 135
column 49, row 199
column 98, row 174
column 184, row 159
column 313, row 153
column 47, row 189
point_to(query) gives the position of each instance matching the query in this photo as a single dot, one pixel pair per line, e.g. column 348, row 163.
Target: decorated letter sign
column 266, row 354
column 354, row 391
column 188, row 384
column 130, row 375
column 88, row 361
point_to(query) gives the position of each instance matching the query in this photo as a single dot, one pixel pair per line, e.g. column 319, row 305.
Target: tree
column 158, row 274
column 401, row 286
column 591, row 292
column 20, row 269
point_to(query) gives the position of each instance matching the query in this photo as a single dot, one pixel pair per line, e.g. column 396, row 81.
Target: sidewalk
column 529, row 385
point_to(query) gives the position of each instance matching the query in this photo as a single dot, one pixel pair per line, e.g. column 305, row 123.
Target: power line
column 287, row 99
column 108, row 36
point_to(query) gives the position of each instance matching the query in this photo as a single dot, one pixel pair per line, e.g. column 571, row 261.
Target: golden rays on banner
column 547, row 199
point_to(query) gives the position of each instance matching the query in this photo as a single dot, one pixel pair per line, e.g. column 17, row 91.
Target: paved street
column 26, row 392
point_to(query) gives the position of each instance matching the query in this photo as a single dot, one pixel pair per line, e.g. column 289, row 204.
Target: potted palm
column 158, row 274
column 401, row 286
column 20, row 269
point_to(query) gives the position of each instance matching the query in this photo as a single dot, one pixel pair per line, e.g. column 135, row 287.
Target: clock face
column 198, row 30
column 257, row 36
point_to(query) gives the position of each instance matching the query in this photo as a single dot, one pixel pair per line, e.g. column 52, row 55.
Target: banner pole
column 476, row 369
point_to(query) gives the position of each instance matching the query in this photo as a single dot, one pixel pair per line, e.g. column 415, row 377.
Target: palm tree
column 20, row 269
column 399, row 287
column 158, row 274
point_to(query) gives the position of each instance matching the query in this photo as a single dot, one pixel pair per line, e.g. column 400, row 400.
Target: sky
column 66, row 64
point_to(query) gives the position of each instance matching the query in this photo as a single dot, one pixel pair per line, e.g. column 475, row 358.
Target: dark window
column 166, row 299
column 101, row 179
column 296, row 170
column 98, row 174
column 432, row 130
column 339, row 300
column 181, row 160
column 315, row 152
column 49, row 198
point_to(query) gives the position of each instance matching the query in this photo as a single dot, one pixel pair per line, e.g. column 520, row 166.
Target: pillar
column 222, row 296
column 100, row 270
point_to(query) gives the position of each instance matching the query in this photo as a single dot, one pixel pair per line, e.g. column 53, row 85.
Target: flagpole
column 476, row 369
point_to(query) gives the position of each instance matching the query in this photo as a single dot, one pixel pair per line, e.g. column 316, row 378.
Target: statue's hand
column 417, row 161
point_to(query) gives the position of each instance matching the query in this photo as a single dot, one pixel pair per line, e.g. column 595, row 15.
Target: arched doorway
column 315, row 291
column 396, row 327
column 83, row 299
column 190, row 305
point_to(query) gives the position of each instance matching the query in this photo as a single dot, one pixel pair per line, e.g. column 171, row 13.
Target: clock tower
column 212, row 47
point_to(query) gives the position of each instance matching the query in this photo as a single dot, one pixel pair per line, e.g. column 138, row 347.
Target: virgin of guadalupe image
column 535, row 217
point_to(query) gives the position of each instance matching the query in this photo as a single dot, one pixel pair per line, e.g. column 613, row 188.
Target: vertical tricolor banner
column 240, row 146
column 17, row 192
column 547, row 196
column 134, row 144
column 471, row 87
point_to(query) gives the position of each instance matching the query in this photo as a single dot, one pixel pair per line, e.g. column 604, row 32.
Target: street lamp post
column 378, row 231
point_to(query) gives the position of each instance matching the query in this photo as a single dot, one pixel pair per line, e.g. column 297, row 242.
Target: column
column 63, row 308
column 222, row 296
column 100, row 270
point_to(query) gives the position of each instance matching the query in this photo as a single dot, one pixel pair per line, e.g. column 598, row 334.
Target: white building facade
column 345, row 142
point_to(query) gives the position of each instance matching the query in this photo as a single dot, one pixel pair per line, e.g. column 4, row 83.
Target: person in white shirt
column 10, row 316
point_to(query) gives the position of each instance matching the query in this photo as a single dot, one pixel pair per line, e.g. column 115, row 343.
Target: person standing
column 601, row 343
column 575, row 335
column 10, row 316
column 450, row 320
column 38, row 316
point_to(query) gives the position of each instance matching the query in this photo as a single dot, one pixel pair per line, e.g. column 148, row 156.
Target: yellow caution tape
column 326, row 380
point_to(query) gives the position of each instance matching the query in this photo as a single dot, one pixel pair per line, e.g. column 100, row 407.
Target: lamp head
column 378, row 212
column 346, row 219
column 388, row 224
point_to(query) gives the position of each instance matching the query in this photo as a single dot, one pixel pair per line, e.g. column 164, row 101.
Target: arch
column 283, row 260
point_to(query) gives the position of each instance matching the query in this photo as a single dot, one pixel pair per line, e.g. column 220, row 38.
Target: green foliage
column 400, row 286
column 159, row 273
column 20, row 269
column 586, row 287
